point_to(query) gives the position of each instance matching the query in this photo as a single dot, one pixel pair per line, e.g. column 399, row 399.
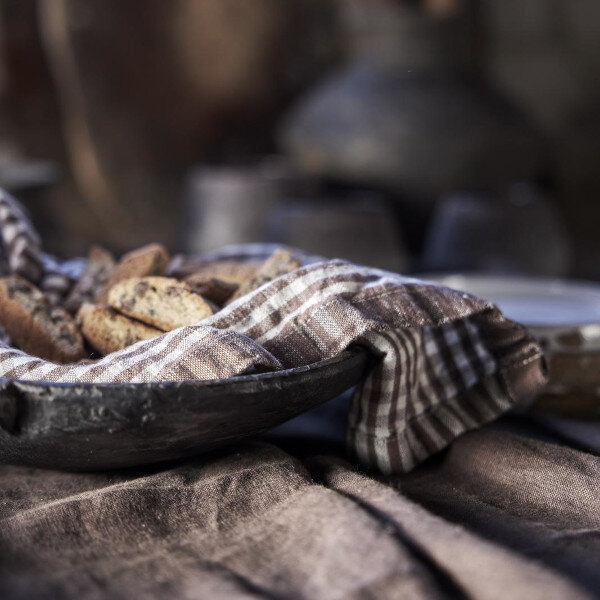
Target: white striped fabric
column 444, row 362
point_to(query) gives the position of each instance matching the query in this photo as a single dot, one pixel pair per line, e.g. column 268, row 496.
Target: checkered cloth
column 447, row 362
column 20, row 252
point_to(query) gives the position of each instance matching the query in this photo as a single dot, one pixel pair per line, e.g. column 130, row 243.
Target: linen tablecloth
column 508, row 511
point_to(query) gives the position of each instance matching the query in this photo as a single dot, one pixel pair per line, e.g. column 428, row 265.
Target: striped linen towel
column 447, row 363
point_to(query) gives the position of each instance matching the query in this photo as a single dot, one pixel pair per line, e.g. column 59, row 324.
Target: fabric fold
column 447, row 362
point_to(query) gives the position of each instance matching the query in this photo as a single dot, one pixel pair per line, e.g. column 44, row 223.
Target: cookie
column 279, row 263
column 148, row 260
column 35, row 326
column 212, row 289
column 181, row 266
column 98, row 270
column 108, row 332
column 232, row 271
column 162, row 302
column 55, row 286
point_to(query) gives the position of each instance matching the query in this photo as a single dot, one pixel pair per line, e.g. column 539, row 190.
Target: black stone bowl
column 92, row 426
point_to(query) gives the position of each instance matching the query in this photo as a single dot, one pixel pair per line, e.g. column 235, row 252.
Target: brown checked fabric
column 21, row 253
column 447, row 362
column 20, row 242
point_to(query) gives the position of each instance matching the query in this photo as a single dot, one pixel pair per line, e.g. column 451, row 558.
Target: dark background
column 106, row 106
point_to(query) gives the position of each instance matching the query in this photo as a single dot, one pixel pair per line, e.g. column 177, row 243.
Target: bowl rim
column 354, row 352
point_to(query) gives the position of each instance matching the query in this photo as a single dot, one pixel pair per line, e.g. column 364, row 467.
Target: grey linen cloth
column 501, row 514
column 447, row 362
